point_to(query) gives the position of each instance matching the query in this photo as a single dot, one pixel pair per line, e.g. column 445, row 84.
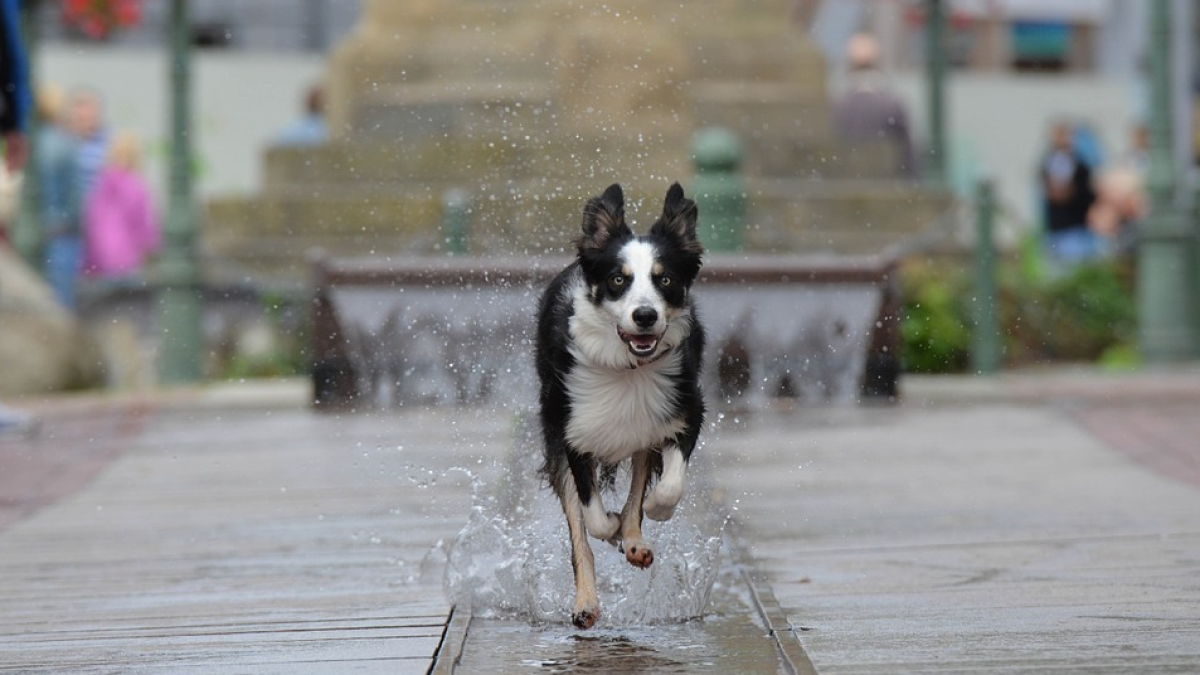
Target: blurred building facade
column 261, row 25
column 1099, row 37
column 1017, row 67
column 1019, row 64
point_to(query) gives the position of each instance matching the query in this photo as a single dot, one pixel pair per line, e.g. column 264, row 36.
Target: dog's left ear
column 678, row 220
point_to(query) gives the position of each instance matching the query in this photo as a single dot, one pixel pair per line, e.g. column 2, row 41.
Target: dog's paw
column 659, row 511
column 605, row 526
column 661, row 502
column 639, row 555
column 585, row 617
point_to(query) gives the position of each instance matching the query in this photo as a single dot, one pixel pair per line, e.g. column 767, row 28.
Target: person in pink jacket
column 121, row 228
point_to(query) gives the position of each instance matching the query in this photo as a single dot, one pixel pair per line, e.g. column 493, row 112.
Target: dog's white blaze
column 639, row 256
column 660, row 503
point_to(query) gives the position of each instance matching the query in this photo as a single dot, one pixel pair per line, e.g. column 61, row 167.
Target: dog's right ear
column 603, row 220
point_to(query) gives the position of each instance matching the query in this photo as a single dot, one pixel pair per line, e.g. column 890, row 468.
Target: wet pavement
column 234, row 536
column 731, row 638
column 1016, row 524
column 999, row 532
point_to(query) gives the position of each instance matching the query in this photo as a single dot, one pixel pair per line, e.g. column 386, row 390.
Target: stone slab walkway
column 1022, row 524
column 219, row 538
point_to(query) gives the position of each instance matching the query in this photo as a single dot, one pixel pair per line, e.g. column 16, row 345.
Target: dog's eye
column 617, row 280
column 665, row 280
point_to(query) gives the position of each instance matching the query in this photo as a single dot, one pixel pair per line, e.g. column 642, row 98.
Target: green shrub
column 1086, row 314
column 1078, row 316
column 934, row 332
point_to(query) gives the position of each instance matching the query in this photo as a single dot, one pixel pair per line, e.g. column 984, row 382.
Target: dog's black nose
column 645, row 317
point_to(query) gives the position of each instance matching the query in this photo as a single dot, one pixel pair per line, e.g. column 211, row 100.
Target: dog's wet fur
column 619, row 347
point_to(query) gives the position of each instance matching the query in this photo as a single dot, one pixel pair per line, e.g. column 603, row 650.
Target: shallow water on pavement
column 729, row 638
column 512, row 559
column 690, row 612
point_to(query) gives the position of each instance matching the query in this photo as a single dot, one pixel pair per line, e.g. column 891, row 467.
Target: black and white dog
column 619, row 347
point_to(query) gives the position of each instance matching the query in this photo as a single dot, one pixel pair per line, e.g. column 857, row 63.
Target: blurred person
column 1121, row 198
column 1067, row 195
column 120, row 221
column 309, row 129
column 59, row 197
column 868, row 110
column 14, row 111
column 85, row 120
column 1120, row 205
column 1086, row 144
column 15, row 99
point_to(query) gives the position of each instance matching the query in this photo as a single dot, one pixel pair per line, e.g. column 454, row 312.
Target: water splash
column 512, row 559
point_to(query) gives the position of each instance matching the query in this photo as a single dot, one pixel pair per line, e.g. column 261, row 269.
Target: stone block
column 42, row 348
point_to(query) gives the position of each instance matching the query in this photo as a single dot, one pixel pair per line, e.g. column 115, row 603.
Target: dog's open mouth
column 640, row 344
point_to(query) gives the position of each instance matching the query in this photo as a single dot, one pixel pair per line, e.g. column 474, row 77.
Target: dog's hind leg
column 636, row 551
column 587, row 603
column 662, row 500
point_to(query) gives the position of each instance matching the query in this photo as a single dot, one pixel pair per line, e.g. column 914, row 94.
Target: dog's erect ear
column 678, row 220
column 604, row 219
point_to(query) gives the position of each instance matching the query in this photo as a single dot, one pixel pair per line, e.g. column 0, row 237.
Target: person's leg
column 63, row 263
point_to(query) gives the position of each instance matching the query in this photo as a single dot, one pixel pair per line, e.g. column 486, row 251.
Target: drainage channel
column 743, row 631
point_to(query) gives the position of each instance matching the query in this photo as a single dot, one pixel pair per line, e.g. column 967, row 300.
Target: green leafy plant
column 934, row 331
column 1077, row 316
column 1085, row 314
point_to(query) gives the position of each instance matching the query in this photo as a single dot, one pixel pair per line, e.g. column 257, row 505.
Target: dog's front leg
column 636, row 551
column 662, row 500
column 585, row 514
column 587, row 603
column 601, row 524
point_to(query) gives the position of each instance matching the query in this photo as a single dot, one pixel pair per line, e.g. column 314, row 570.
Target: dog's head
column 640, row 283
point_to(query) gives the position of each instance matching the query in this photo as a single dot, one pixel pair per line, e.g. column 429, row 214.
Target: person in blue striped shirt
column 86, row 120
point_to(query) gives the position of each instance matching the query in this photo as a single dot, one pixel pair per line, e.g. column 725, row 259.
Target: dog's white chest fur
column 615, row 413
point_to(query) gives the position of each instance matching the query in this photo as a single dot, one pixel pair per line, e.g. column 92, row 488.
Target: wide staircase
column 528, row 109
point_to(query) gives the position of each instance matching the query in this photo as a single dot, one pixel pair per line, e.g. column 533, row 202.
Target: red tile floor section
column 1163, row 436
column 69, row 449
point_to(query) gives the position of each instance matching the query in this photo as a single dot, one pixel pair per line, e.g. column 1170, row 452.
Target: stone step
column 430, row 167
column 467, row 162
column 270, row 236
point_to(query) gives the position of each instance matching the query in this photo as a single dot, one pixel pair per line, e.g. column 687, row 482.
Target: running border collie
column 619, row 349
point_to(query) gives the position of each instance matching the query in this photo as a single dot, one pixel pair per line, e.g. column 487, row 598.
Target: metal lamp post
column 179, row 302
column 719, row 189
column 986, row 345
column 935, row 83
column 1165, row 255
column 27, row 227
